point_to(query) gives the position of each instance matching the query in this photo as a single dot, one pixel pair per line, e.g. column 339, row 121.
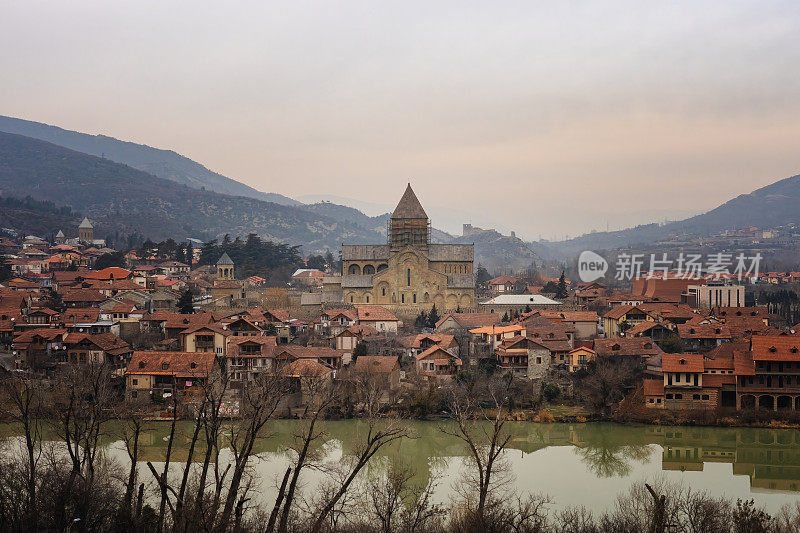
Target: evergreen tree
column 482, row 275
column 271, row 330
column 528, row 308
column 562, row 287
column 421, row 320
column 186, row 302
column 189, row 255
column 359, row 350
column 433, row 317
column 505, row 317
column 5, row 269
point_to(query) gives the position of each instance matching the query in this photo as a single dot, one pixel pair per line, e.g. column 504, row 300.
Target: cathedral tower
column 409, row 224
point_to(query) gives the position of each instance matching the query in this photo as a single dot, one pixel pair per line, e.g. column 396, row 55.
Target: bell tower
column 409, row 224
column 225, row 268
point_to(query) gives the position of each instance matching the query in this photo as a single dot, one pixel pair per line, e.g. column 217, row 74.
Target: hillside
column 774, row 205
column 160, row 163
column 499, row 253
column 123, row 200
column 31, row 217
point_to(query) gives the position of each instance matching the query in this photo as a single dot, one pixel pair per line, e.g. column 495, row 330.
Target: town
column 414, row 313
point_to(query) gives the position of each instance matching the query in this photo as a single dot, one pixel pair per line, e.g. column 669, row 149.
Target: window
column 402, row 298
column 705, row 396
column 414, row 297
column 135, row 382
column 658, row 400
column 650, row 400
column 695, row 397
column 408, row 276
column 164, row 366
column 679, row 396
column 669, row 396
column 383, row 291
column 367, row 298
column 134, row 394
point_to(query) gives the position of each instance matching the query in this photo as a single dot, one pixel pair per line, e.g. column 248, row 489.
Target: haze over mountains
column 158, row 193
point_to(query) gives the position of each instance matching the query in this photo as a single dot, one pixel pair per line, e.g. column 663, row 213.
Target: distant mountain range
column 124, row 200
column 771, row 206
column 160, row 163
column 129, row 187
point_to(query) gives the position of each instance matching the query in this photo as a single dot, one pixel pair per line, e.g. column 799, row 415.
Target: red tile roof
column 377, row 363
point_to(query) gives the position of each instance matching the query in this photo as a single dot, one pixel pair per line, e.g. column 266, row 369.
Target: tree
column 186, row 302
column 5, row 269
column 115, row 259
column 505, row 317
column 550, row 288
column 329, row 260
column 422, row 319
column 433, row 317
column 482, row 275
column 316, row 261
column 359, row 350
column 189, row 255
column 485, row 436
column 562, row 287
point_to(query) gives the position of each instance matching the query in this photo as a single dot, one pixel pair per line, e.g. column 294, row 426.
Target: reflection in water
column 769, row 457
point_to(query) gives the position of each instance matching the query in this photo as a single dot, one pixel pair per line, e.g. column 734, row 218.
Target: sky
column 548, row 118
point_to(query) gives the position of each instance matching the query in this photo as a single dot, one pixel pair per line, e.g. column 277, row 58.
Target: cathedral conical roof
column 224, row 260
column 409, row 206
column 85, row 224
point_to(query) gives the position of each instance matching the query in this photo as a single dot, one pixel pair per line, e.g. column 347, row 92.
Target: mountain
column 497, row 252
column 777, row 204
column 123, row 200
column 160, row 163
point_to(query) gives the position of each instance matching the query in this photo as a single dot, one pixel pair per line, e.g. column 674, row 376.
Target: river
column 574, row 464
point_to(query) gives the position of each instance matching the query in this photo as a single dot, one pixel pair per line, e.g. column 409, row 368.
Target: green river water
column 574, row 464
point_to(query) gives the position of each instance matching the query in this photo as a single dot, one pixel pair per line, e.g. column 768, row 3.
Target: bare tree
column 484, row 434
column 132, row 417
column 21, row 399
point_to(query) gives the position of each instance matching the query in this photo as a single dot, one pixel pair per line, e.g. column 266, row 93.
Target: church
column 409, row 273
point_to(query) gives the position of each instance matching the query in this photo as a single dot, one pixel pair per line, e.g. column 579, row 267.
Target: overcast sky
column 550, row 118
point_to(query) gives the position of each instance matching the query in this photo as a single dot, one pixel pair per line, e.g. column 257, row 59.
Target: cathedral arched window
column 383, row 291
column 415, row 297
column 354, row 270
column 369, row 269
column 408, row 277
column 382, row 267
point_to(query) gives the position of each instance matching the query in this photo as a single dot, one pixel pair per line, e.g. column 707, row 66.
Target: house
column 502, row 284
column 436, row 362
column 249, row 356
column 97, row 349
column 768, row 376
column 308, row 277
column 518, row 303
column 334, row 321
column 309, row 378
column 655, row 330
column 167, row 372
column 683, row 382
column 523, row 356
column 703, row 337
column 622, row 317
column 642, row 347
column 654, row 393
column 583, row 323
column 36, row 349
column 415, row 344
column 378, row 317
column 174, row 268
column 493, row 336
column 460, row 323
column 211, row 338
column 286, row 354
column 385, row 367
column 579, row 357
column 347, row 340
column 83, row 298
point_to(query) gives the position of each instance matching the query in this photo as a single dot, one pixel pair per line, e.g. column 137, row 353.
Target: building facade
column 409, row 272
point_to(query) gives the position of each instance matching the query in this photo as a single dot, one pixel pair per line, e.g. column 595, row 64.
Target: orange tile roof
column 471, row 320
column 704, row 331
column 682, row 362
column 775, row 347
column 178, row 364
column 496, row 330
column 375, row 313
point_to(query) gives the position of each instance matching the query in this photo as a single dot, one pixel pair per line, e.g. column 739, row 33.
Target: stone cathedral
column 409, row 273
